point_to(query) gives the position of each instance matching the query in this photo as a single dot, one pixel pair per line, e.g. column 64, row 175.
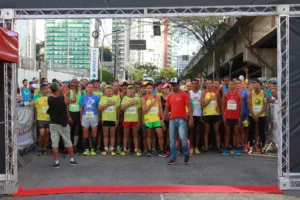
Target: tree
column 137, row 74
column 168, row 73
column 206, row 31
column 107, row 54
column 148, row 69
column 107, row 76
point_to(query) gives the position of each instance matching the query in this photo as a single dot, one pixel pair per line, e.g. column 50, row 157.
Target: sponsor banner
column 24, row 127
column 94, row 63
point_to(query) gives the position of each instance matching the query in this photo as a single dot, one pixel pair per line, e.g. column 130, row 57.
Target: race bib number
column 196, row 104
column 153, row 111
column 231, row 106
column 26, row 103
column 212, row 104
column 74, row 107
column 89, row 114
column 45, row 109
column 256, row 109
column 131, row 110
column 110, row 109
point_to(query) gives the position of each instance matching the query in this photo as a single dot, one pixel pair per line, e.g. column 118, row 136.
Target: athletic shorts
column 144, row 127
column 43, row 124
column 232, row 122
column 58, row 131
column 211, row 119
column 109, row 123
column 75, row 117
column 153, row 125
column 196, row 120
column 130, row 124
column 88, row 122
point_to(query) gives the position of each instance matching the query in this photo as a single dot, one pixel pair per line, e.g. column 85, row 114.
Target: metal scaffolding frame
column 283, row 12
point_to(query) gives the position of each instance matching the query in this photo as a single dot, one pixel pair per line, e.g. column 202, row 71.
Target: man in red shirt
column 176, row 104
column 232, row 110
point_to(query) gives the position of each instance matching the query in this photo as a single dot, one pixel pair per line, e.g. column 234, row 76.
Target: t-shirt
column 153, row 114
column 98, row 93
column 26, row 94
column 37, row 91
column 131, row 114
column 268, row 91
column 90, row 105
column 110, row 113
column 41, row 104
column 177, row 102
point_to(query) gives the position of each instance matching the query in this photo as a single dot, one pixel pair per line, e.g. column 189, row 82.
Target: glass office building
column 68, row 42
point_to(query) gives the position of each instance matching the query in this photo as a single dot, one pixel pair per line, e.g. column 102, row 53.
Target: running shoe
column 86, row 153
column 104, row 153
column 162, row 154
column 225, row 152
column 45, row 152
column 237, row 152
column 256, row 148
column 137, row 153
column 93, row 152
column 113, row 153
column 186, row 159
column 232, row 150
column 149, row 154
column 263, row 151
column 39, row 152
column 56, row 166
column 119, row 150
column 172, row 162
column 73, row 163
column 246, row 149
column 191, row 150
column 250, row 150
column 178, row 152
column 145, row 152
column 197, row 151
column 123, row 153
column 154, row 152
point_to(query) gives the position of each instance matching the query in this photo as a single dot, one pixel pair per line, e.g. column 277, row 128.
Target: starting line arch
column 40, row 9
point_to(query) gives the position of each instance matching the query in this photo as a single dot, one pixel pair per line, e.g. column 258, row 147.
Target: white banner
column 24, row 127
column 274, row 123
column 94, row 63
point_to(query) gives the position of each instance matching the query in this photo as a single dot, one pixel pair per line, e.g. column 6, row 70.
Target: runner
column 177, row 103
column 232, row 107
column 131, row 106
column 137, row 87
column 110, row 107
column 257, row 104
column 58, row 111
column 158, row 88
column 43, row 119
column 153, row 114
column 195, row 95
column 25, row 90
column 89, row 119
column 143, row 127
column 210, row 102
column 74, row 110
column 245, row 117
column 97, row 90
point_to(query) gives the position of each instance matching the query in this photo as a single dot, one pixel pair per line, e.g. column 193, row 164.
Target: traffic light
column 156, row 29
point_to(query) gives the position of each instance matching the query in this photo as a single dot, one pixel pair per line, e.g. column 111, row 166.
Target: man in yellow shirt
column 110, row 107
column 43, row 119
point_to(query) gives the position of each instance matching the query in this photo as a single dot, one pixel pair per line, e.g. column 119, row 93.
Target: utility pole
column 116, row 53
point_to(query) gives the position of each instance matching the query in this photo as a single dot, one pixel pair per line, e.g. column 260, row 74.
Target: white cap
column 241, row 77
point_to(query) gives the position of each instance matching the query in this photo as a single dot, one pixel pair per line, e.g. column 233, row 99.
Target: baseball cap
column 36, row 79
column 108, row 87
column 130, row 87
column 174, row 80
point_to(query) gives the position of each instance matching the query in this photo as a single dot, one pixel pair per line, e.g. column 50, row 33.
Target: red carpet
column 147, row 189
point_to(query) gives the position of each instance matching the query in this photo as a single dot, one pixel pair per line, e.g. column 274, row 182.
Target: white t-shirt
column 196, row 98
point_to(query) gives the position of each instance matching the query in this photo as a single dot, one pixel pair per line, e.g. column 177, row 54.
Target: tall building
column 182, row 62
column 158, row 48
column 27, row 37
column 68, row 41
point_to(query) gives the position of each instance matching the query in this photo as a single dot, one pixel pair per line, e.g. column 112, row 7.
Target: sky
column 184, row 47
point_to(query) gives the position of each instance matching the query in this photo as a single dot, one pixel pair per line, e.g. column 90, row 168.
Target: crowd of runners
column 163, row 118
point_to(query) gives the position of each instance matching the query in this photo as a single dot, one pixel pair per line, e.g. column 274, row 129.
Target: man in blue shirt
column 89, row 118
column 25, row 90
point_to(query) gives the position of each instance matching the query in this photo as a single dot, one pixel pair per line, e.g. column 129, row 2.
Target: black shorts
column 232, row 122
column 75, row 117
column 108, row 123
column 196, row 120
column 211, row 119
column 43, row 124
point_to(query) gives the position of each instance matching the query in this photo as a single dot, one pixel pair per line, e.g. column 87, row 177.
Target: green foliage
column 148, row 69
column 107, row 54
column 137, row 74
column 168, row 73
column 107, row 76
